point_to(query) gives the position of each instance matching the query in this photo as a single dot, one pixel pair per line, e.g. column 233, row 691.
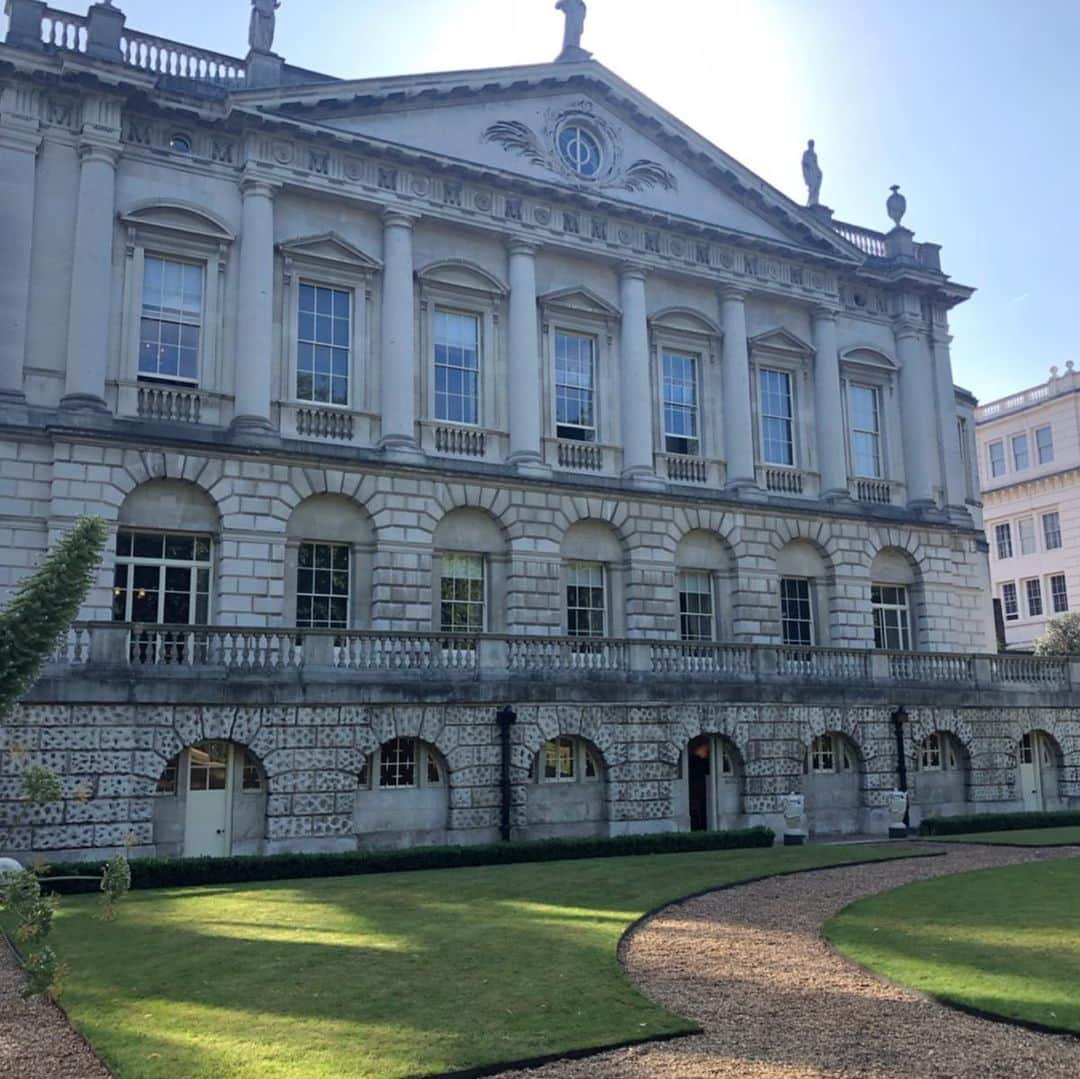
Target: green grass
column 388, row 975
column 1005, row 941
column 1027, row 837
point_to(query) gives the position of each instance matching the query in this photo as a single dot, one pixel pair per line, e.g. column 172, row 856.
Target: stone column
column 525, row 378
column 949, row 437
column 738, row 425
column 634, row 382
column 828, row 406
column 18, row 156
column 398, row 372
column 255, row 309
column 918, row 417
column 91, row 280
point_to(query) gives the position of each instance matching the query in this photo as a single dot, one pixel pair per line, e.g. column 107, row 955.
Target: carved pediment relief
column 462, row 275
column 331, row 250
column 580, row 301
column 866, row 356
column 781, row 342
column 180, row 218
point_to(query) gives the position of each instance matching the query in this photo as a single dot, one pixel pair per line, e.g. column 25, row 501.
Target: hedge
column 998, row 822
column 183, row 872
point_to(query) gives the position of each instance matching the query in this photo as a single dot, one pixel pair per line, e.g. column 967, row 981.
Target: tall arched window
column 893, row 595
column 469, row 568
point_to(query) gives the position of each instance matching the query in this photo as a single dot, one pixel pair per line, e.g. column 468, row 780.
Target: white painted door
column 208, row 817
column 1030, row 758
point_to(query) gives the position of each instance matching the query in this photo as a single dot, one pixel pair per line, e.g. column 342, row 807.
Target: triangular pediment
column 579, row 299
column 330, row 249
column 575, row 128
column 781, row 341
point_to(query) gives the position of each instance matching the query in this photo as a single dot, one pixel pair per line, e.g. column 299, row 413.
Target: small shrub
column 115, row 884
column 70, row 878
column 40, row 786
column 44, row 974
column 998, row 822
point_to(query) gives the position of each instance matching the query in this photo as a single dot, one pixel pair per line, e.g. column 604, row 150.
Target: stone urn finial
column 896, row 205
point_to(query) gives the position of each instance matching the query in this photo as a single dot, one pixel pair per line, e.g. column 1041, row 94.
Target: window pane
column 1034, row 598
column 1059, row 593
column 696, row 606
column 462, row 594
column 1026, row 531
column 775, row 410
column 171, row 319
column 680, row 402
column 457, row 364
column 1003, row 539
column 1009, row 603
column 1020, row 452
column 1044, row 445
column 863, row 416
column 796, row 611
column 322, row 586
column 324, row 340
column 574, row 387
column 892, row 627
column 1052, row 531
column 397, row 764
column 996, row 451
column 585, row 602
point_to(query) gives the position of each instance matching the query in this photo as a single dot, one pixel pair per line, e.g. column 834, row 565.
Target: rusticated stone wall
column 110, row 758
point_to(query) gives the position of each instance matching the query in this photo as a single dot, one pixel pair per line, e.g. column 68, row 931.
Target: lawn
column 1026, row 837
column 391, row 975
column 1005, row 941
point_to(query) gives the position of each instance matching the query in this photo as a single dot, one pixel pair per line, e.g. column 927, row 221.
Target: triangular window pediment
column 330, row 250
column 781, row 342
column 580, row 300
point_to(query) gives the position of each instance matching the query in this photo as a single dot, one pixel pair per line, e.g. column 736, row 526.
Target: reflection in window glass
column 585, row 603
column 324, row 343
column 322, row 586
column 680, row 403
column 775, row 409
column 696, row 621
column 865, row 420
column 892, row 625
column 1044, row 445
column 796, row 611
column 171, row 323
column 457, row 367
column 575, row 408
column 462, row 594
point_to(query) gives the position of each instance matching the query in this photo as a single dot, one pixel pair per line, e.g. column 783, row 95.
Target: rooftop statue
column 811, row 175
column 261, row 30
column 575, row 12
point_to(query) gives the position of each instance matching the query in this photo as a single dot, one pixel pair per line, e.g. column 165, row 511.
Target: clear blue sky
column 970, row 105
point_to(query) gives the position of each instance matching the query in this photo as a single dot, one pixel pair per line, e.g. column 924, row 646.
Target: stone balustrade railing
column 207, row 648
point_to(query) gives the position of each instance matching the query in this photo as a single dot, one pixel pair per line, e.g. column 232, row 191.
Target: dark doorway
column 697, row 775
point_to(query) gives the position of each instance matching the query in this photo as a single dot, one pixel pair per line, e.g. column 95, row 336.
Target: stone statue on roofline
column 261, row 30
column 811, row 172
column 575, row 11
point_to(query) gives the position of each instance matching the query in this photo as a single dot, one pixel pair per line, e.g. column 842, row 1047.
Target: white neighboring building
column 1029, row 465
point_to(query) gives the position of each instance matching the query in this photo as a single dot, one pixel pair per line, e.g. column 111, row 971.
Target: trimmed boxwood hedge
column 70, row 877
column 998, row 822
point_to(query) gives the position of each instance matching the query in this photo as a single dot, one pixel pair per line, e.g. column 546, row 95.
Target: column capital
column 257, row 187
column 517, row 246
column 632, row 271
column 401, row 219
column 732, row 293
column 22, row 138
column 92, row 150
column 821, row 312
column 906, row 328
column 940, row 339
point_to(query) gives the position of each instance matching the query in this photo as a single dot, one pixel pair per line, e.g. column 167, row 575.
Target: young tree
column 1062, row 636
column 44, row 606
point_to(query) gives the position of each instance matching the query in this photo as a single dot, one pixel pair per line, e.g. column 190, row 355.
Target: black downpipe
column 898, row 718
column 506, row 718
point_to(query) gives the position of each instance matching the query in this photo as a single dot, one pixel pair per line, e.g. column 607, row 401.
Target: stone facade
column 581, row 383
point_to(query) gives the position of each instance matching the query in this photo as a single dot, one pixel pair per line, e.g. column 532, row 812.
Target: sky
column 970, row 105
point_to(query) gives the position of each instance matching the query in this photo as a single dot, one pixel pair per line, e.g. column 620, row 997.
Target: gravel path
column 750, row 966
column 36, row 1039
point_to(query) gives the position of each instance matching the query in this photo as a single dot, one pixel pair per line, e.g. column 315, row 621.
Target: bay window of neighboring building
column 680, row 403
column 575, row 386
column 1003, row 540
column 995, row 452
column 1051, row 523
column 1059, row 593
column 1033, row 594
column 1009, row 604
column 1044, row 445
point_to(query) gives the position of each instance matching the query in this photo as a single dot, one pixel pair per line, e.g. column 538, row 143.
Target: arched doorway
column 714, row 783
column 210, row 802
column 1039, row 771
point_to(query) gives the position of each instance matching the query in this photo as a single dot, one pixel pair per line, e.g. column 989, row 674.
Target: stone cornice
column 1052, row 481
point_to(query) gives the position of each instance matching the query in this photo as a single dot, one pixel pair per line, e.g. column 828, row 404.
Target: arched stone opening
column 942, row 775
column 805, row 582
column 711, row 785
column 567, row 794
column 704, row 584
column 402, row 796
column 469, row 568
column 210, row 800
column 1039, row 770
column 833, row 776
column 896, row 600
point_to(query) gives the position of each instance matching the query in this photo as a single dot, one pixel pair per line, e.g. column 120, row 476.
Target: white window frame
column 828, row 754
column 478, row 400
column 1003, row 544
column 1036, row 593
column 1059, row 597
column 938, row 753
column 1020, row 443
column 163, row 564
column 347, row 548
column 571, row 568
column 811, row 601
column 1026, row 535
column 182, row 320
column 992, row 462
column 879, row 449
column 567, row 749
column 792, row 419
column 710, row 616
column 447, row 557
column 695, row 360
column 1010, row 601
column 563, row 331
column 424, row 759
column 881, row 610
column 1048, row 449
column 311, row 281
column 1048, row 533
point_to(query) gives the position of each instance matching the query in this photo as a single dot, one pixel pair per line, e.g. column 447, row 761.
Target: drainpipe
column 898, row 718
column 506, row 718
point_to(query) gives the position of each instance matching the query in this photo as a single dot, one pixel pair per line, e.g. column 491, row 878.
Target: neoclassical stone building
column 484, row 453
